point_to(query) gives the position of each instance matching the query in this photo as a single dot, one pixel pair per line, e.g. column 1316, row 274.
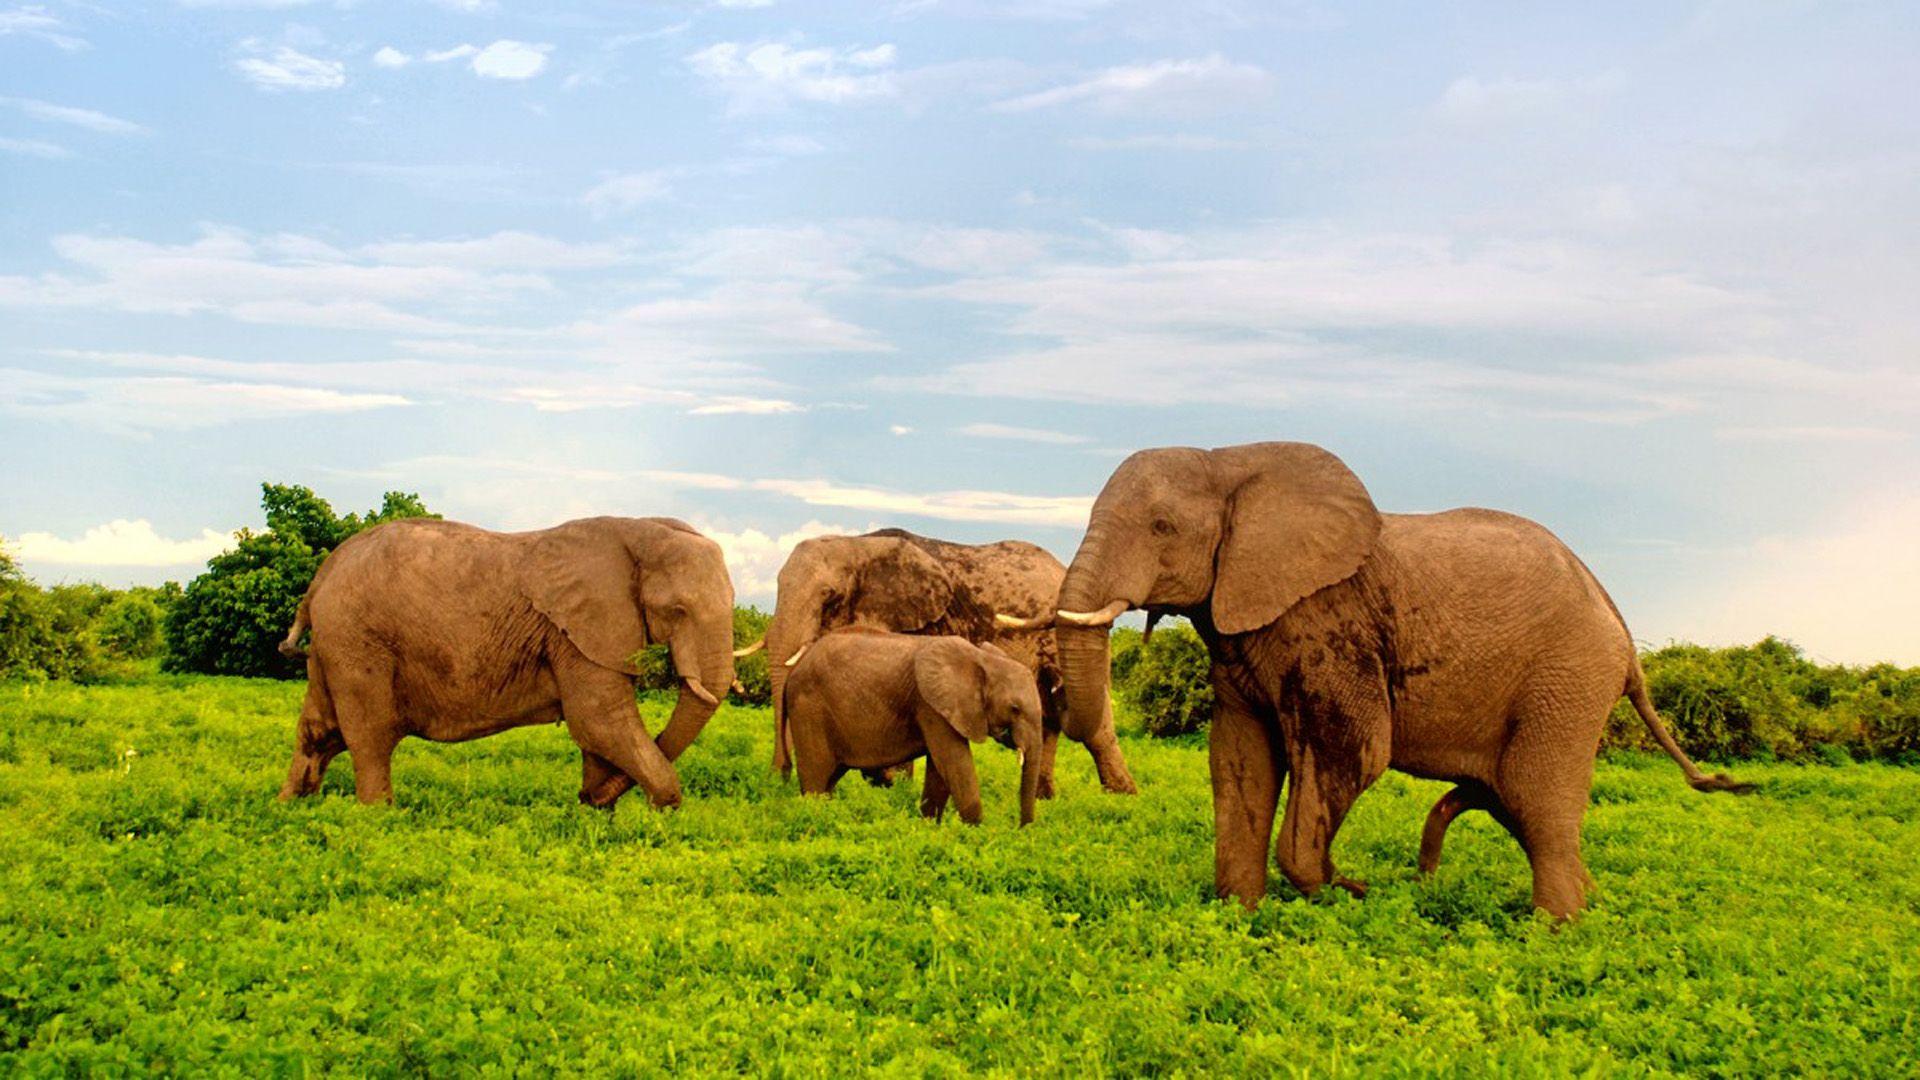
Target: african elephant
column 866, row 699
column 450, row 632
column 895, row 580
column 1467, row 645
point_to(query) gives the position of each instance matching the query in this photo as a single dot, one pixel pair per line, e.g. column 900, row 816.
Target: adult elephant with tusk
column 1001, row 594
column 451, row 632
column 1468, row 646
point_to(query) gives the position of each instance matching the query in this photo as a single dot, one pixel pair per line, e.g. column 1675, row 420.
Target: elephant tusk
column 1147, row 634
column 738, row 687
column 1015, row 622
column 1103, row 617
column 797, row 654
column 741, row 654
column 701, row 692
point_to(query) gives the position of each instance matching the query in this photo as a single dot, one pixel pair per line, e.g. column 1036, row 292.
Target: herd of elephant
column 1469, row 646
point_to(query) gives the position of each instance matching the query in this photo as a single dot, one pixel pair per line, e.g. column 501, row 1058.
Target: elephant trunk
column 1084, row 661
column 703, row 658
column 1028, row 741
column 789, row 631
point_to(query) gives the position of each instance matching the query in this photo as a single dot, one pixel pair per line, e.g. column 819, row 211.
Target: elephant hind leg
column 934, row 792
column 1468, row 796
column 318, row 740
column 1049, row 746
column 370, row 726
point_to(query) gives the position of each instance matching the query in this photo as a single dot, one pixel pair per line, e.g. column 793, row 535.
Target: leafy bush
column 230, row 620
column 82, row 632
column 1163, row 679
column 749, row 625
column 1767, row 700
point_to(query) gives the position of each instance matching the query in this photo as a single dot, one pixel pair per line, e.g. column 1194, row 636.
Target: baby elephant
column 860, row 699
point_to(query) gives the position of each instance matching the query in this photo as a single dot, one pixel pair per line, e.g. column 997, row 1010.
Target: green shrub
column 1163, row 680
column 230, row 620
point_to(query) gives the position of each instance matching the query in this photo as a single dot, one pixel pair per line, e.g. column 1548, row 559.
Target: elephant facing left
column 451, row 632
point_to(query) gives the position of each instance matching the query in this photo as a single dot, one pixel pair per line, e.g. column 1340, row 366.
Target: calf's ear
column 953, row 681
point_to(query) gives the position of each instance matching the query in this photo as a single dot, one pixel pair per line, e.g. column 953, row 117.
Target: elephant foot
column 1044, row 789
column 1358, row 889
column 1122, row 786
column 881, row 778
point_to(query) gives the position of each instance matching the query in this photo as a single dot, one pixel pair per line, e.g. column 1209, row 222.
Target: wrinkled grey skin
column 862, row 699
column 1468, row 646
column 898, row 581
column 450, row 632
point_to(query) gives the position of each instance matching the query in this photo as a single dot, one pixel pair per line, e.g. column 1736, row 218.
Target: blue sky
column 1647, row 276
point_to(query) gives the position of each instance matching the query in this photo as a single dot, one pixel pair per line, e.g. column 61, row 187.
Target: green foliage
column 160, row 913
column 230, row 620
column 83, row 632
column 1163, row 681
column 1767, row 700
column 749, row 626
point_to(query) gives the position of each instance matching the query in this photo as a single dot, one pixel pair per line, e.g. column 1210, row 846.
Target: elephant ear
column 585, row 577
column 953, row 681
column 1299, row 522
column 901, row 588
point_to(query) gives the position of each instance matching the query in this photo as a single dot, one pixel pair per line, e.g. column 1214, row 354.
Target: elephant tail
column 1643, row 704
column 290, row 646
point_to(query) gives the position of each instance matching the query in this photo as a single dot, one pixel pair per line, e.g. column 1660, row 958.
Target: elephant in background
column 1469, row 645
column 451, row 632
column 866, row 699
column 894, row 580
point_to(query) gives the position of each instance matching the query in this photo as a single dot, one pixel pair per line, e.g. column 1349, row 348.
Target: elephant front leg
column 1049, row 746
column 603, row 719
column 1246, row 769
column 601, row 782
column 1332, row 759
column 934, row 792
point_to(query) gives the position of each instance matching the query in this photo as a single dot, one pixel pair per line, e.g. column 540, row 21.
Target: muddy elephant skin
column 450, row 632
column 897, row 581
column 1470, row 646
column 869, row 700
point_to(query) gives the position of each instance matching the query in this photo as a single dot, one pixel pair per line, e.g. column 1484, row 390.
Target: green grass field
column 160, row 912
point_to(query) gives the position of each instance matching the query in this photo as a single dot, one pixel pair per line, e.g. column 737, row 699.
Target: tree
column 230, row 620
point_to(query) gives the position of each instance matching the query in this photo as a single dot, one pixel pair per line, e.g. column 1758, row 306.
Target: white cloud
column 1022, row 434
column 745, row 406
column 458, row 52
column 390, row 57
column 1203, row 84
column 787, row 145
column 1847, row 591
column 619, row 194
column 511, row 249
column 150, row 403
column 899, row 429
column 963, row 505
column 68, row 114
column 34, row 148
column 1168, row 141
column 774, row 74
column 731, row 320
column 1811, row 433
column 746, row 4
column 121, row 542
column 35, row 21
column 754, row 558
column 1470, row 100
column 506, row 59
column 287, row 68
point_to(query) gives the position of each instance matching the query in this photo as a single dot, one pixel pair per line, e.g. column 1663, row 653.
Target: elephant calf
column 862, row 699
column 449, row 632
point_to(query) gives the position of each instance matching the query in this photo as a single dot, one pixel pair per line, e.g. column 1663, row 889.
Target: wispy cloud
column 37, row 22
column 147, row 403
column 34, row 148
column 67, row 114
column 1178, row 141
column 623, row 193
column 774, row 74
column 1021, row 434
column 283, row 67
column 1203, row 84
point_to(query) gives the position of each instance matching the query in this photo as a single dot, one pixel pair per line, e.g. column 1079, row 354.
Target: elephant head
column 1234, row 536
column 880, row 581
column 981, row 692
column 617, row 585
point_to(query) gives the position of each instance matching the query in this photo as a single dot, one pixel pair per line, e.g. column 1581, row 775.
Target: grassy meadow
column 159, row 912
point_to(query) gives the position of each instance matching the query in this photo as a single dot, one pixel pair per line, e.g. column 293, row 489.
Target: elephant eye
column 1162, row 527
